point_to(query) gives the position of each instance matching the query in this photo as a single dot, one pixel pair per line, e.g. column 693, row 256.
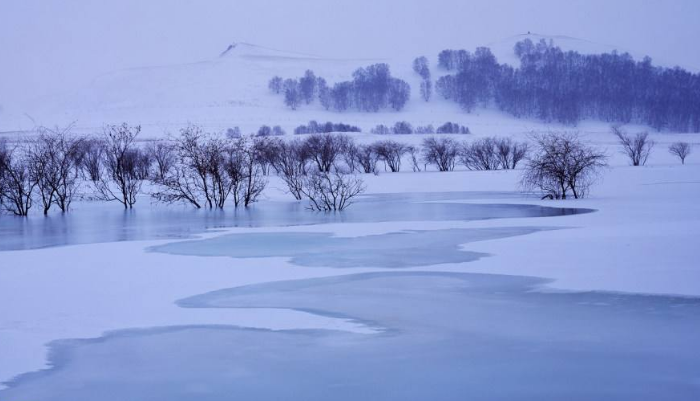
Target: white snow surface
column 642, row 239
column 231, row 90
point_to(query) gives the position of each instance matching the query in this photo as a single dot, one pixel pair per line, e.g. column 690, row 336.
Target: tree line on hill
column 550, row 84
column 371, row 89
column 566, row 87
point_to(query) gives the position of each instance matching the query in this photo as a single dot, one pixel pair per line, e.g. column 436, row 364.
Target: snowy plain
column 642, row 237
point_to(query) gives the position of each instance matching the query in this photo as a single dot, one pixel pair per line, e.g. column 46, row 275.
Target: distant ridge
column 249, row 49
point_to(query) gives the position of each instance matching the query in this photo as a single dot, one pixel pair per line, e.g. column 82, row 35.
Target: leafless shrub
column 16, row 182
column 509, row 152
column 142, row 162
column 381, row 129
column 332, row 191
column 637, row 148
column 118, row 182
column 265, row 150
column 680, row 149
column 442, row 152
column 324, row 149
column 54, row 158
column 481, row 154
column 390, row 152
column 425, row 129
column 290, row 165
column 562, row 163
column 350, row 156
column 92, row 150
column 163, row 156
column 367, row 158
column 245, row 172
column 199, row 176
column 414, row 152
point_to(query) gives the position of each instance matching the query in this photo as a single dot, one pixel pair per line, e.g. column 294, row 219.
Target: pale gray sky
column 49, row 46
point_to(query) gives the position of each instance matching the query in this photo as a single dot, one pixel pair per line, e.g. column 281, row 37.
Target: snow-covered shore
column 642, row 239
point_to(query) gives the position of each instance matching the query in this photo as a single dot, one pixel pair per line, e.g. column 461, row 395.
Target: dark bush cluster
column 265, row 130
column 420, row 66
column 566, row 87
column 492, row 153
column 452, row 128
column 405, row 128
column 314, row 127
column 371, row 89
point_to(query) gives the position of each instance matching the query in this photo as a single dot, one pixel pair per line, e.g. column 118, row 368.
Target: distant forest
column 550, row 84
column 372, row 89
column 557, row 86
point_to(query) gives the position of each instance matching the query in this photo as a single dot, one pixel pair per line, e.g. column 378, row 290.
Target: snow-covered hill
column 231, row 90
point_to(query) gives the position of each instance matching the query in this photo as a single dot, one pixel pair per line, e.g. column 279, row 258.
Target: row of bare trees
column 45, row 170
column 208, row 170
column 195, row 167
column 201, row 169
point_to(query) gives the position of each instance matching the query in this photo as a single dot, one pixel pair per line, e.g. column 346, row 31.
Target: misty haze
column 349, row 200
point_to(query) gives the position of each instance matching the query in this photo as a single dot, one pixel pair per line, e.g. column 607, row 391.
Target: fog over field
column 55, row 46
column 349, row 200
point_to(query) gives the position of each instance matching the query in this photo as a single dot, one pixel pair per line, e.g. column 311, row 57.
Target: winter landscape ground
column 445, row 285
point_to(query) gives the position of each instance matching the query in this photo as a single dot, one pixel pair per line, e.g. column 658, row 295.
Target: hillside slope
column 231, row 90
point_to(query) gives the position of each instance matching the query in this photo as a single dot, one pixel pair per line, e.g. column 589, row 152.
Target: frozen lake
column 434, row 334
column 99, row 222
column 444, row 336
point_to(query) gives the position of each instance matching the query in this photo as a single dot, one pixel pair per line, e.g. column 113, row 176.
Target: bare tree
column 142, row 162
column 350, row 156
column 290, row 165
column 637, row 148
column 55, row 158
column 275, row 85
column 441, row 152
column 390, row 152
column 680, row 149
column 16, row 182
column 367, row 158
column 118, row 183
column 562, row 163
column 163, row 155
column 253, row 181
column 509, row 152
column 266, row 150
column 91, row 156
column 329, row 192
column 413, row 152
column 480, row 155
column 324, row 149
column 200, row 176
column 4, row 161
column 426, row 89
